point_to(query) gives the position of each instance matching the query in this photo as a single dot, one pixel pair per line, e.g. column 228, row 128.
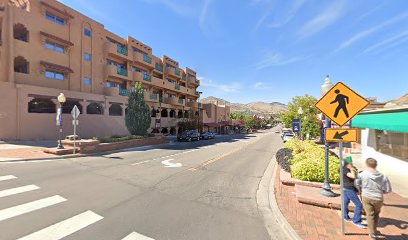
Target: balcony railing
column 153, row 96
column 181, row 101
column 197, row 93
column 183, row 78
column 161, row 99
column 124, row 92
column 122, row 50
column 147, row 77
column 123, row 72
column 147, row 59
column 177, row 72
column 159, row 68
column 177, row 87
column 197, row 81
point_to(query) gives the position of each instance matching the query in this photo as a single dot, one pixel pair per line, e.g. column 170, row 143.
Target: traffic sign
column 341, row 135
column 75, row 112
column 341, row 104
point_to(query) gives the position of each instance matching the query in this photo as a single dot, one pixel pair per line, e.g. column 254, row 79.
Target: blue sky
column 271, row 50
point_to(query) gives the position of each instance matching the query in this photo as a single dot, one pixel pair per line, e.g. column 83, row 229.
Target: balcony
column 116, row 50
column 177, row 87
column 181, row 101
column 158, row 68
column 151, row 97
column 139, row 76
column 124, row 92
column 193, row 81
column 110, row 91
column 192, row 104
column 169, row 85
column 173, row 72
column 171, row 101
column 114, row 71
column 157, row 82
column 183, row 78
column 143, row 59
column 197, row 93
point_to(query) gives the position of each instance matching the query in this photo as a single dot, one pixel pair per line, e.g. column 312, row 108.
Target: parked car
column 287, row 137
column 277, row 131
column 208, row 135
column 189, row 136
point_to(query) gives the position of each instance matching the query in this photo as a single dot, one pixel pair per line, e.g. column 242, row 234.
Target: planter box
column 106, row 147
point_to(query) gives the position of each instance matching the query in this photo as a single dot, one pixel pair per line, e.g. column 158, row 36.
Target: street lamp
column 61, row 99
column 326, row 189
column 300, row 112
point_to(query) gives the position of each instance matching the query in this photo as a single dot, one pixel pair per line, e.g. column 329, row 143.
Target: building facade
column 215, row 117
column 47, row 48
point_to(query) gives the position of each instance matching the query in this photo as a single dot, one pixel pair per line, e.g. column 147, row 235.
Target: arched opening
column 115, row 110
column 165, row 131
column 180, row 114
column 20, row 32
column 126, row 110
column 196, row 113
column 22, row 4
column 164, row 113
column 21, row 65
column 95, row 109
column 172, row 113
column 69, row 105
column 41, row 105
column 155, row 130
column 154, row 112
column 186, row 114
column 173, row 131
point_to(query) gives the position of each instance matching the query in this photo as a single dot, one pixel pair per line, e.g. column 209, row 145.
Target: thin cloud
column 179, row 8
column 327, row 17
column 365, row 33
column 276, row 59
column 290, row 14
column 262, row 86
column 387, row 43
column 226, row 88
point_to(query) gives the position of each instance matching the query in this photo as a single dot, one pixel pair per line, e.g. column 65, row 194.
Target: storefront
column 384, row 136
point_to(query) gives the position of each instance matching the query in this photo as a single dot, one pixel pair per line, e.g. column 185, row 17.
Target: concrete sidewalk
column 25, row 150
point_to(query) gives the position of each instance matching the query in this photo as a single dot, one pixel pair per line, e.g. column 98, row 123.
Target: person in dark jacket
column 351, row 193
column 373, row 185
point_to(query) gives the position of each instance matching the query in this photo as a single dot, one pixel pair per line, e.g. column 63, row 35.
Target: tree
column 138, row 115
column 310, row 123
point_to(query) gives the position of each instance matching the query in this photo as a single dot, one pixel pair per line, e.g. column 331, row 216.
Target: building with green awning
column 384, row 136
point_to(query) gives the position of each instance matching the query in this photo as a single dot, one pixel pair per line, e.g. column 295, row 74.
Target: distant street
column 199, row 190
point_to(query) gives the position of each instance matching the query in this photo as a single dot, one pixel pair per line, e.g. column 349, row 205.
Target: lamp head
column 61, row 98
column 300, row 111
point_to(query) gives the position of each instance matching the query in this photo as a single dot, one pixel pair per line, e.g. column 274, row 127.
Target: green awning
column 391, row 121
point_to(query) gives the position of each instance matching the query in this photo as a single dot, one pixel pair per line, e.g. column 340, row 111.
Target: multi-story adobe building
column 47, row 48
column 215, row 117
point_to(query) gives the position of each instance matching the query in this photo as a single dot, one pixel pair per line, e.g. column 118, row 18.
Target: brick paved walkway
column 316, row 223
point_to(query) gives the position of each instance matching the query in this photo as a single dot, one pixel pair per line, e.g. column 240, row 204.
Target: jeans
column 351, row 195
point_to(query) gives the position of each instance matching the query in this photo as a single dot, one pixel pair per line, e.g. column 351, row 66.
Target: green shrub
column 116, row 138
column 308, row 162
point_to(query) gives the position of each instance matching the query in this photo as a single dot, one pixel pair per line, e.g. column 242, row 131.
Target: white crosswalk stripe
column 64, row 228
column 7, row 177
column 29, row 207
column 136, row 236
column 17, row 190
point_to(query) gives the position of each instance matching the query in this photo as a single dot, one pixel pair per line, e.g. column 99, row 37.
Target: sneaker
column 373, row 236
column 348, row 219
column 360, row 225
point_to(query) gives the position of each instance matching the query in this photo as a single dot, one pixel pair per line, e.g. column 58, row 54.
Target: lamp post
column 61, row 99
column 326, row 189
column 300, row 112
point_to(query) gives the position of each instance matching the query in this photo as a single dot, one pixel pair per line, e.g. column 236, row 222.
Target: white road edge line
column 17, row 190
column 134, row 164
column 136, row 236
column 7, row 177
column 29, row 207
column 65, row 227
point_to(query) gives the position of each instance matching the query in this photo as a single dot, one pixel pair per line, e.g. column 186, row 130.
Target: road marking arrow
column 340, row 136
column 167, row 163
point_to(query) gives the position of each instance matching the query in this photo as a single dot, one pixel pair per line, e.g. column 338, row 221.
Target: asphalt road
column 201, row 190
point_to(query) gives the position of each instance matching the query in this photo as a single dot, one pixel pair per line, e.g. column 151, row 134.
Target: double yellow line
column 213, row 160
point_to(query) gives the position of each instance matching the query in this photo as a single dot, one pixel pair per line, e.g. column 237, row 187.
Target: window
column 134, row 69
column 87, row 32
column 95, row 109
column 87, row 81
column 69, row 105
column 54, row 75
column 392, row 143
column 20, row 32
column 56, row 19
column 111, row 85
column 21, row 65
column 88, row 57
column 54, row 47
column 41, row 105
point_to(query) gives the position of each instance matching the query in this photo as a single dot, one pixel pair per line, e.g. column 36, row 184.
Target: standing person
column 373, row 185
column 351, row 193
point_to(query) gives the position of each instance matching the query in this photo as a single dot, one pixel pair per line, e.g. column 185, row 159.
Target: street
column 199, row 190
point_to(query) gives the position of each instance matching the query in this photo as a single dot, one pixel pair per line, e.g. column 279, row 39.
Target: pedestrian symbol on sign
column 342, row 100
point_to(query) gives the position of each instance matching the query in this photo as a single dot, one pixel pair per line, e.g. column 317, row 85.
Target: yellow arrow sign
column 341, row 104
column 341, row 135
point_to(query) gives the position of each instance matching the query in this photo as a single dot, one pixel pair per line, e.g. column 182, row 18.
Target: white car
column 287, row 137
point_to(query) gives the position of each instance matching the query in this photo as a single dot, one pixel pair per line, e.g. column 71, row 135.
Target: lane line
column 29, row 207
column 136, row 236
column 134, row 164
column 64, row 228
column 17, row 190
column 7, row 177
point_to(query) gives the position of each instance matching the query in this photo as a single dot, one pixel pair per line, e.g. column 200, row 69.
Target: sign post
column 341, row 104
column 75, row 114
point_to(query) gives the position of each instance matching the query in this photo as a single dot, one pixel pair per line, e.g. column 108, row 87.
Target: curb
column 276, row 224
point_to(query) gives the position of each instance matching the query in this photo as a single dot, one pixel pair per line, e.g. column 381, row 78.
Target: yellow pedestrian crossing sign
column 341, row 104
column 341, row 135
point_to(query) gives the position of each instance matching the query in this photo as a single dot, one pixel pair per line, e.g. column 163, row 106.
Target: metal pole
column 326, row 189
column 300, row 126
column 75, row 124
column 341, row 187
column 60, row 146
